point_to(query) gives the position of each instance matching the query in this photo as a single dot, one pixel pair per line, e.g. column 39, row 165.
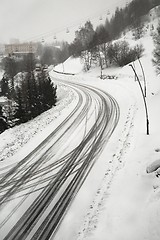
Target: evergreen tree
column 117, row 23
column 10, row 71
column 102, row 34
column 29, row 62
column 3, row 122
column 156, row 54
column 76, row 48
column 138, row 29
column 4, row 86
column 46, row 92
column 34, row 96
column 107, row 26
column 47, row 56
column 20, row 109
column 10, row 66
column 49, row 93
column 85, row 35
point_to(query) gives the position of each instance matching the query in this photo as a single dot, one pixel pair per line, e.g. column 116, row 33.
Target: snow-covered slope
column 14, row 139
column 126, row 204
column 71, row 65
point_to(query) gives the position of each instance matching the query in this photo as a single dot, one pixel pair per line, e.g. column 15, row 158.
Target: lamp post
column 145, row 94
column 145, row 104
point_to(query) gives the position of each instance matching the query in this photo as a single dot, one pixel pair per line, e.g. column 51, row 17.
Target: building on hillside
column 20, row 49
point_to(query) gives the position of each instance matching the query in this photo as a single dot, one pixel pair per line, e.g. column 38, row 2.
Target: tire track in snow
column 42, row 218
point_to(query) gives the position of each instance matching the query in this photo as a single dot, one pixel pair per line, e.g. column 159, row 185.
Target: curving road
column 36, row 193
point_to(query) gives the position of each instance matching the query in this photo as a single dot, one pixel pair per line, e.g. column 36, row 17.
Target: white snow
column 119, row 200
column 15, row 138
column 72, row 65
column 153, row 166
column 1, row 73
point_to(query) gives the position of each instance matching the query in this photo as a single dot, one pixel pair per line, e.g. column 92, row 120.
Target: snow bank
column 71, row 65
column 15, row 138
column 153, row 166
column 1, row 74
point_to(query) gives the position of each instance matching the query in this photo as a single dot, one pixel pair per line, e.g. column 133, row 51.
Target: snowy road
column 36, row 193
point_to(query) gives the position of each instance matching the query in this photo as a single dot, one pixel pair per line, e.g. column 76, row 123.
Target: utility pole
column 145, row 104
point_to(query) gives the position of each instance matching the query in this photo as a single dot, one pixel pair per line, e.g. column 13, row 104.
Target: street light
column 145, row 104
column 145, row 94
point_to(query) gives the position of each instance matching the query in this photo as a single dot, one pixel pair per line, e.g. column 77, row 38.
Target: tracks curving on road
column 36, row 193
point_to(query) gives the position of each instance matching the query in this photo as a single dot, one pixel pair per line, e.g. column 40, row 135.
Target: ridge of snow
column 15, row 138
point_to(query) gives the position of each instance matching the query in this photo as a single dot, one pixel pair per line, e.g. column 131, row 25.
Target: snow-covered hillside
column 125, row 205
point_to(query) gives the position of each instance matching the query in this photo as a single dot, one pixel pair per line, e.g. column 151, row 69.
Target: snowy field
column 121, row 199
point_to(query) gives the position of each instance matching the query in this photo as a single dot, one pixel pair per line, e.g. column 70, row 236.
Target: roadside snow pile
column 154, row 166
column 1, row 74
column 3, row 100
column 71, row 65
column 15, row 138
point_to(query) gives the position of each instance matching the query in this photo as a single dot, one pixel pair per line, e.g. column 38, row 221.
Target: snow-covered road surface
column 36, row 193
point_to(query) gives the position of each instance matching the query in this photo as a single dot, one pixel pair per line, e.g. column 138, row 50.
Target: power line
column 55, row 31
